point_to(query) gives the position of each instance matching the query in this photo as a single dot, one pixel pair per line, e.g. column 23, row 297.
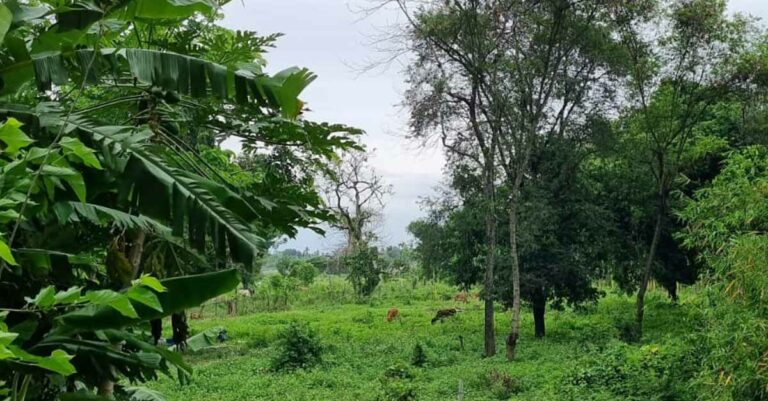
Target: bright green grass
column 361, row 345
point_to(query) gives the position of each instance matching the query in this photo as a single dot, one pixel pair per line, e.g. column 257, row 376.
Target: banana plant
column 109, row 119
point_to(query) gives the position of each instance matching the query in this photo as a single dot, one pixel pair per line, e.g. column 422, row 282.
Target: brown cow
column 393, row 314
column 461, row 297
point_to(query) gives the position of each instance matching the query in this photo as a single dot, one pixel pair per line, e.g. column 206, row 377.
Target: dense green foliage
column 298, row 348
column 365, row 270
column 596, row 150
column 368, row 358
column 112, row 113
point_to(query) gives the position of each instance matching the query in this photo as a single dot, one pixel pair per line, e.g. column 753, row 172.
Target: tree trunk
column 157, row 330
column 136, row 251
column 490, row 235
column 106, row 388
column 180, row 330
column 539, row 308
column 640, row 307
column 673, row 292
column 514, row 333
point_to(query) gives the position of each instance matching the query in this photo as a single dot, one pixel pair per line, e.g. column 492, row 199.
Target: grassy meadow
column 581, row 357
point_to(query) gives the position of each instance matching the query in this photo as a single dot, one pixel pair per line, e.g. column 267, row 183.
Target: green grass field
column 575, row 361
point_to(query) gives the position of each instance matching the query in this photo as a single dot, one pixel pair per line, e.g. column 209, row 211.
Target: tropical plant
column 111, row 170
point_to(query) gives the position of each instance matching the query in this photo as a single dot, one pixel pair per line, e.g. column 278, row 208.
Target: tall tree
column 355, row 194
column 456, row 45
column 679, row 69
column 558, row 54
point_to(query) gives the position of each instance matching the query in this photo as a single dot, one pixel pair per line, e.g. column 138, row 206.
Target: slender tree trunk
column 673, row 292
column 156, row 327
column 107, row 388
column 180, row 330
column 490, row 235
column 514, row 333
column 640, row 307
column 539, row 308
column 136, row 250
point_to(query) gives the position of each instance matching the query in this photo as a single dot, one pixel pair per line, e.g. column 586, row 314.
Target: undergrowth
column 583, row 356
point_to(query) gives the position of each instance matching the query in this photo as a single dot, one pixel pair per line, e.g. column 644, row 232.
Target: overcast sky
column 331, row 38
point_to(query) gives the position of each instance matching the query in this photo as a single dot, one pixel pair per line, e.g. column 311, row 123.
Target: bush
column 298, row 347
column 364, row 270
column 280, row 289
column 397, row 384
column 367, row 318
column 504, row 386
column 419, row 356
column 629, row 331
column 303, row 271
column 653, row 372
column 283, row 265
column 321, row 263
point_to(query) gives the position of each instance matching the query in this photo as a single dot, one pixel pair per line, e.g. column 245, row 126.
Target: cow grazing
column 444, row 314
column 393, row 314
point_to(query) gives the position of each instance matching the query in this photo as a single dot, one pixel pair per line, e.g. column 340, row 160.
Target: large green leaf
column 115, row 300
column 5, row 253
column 170, row 71
column 205, row 208
column 145, row 296
column 95, row 353
column 159, row 190
column 182, row 293
column 74, row 148
column 13, row 137
column 57, row 362
column 168, row 9
column 76, row 212
column 45, row 298
column 6, row 18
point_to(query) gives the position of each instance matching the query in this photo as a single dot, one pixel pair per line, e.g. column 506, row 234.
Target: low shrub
column 397, row 384
column 658, row 372
column 629, row 331
column 298, row 347
column 419, row 358
column 503, row 385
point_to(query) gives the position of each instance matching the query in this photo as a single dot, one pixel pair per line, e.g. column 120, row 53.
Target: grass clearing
column 360, row 346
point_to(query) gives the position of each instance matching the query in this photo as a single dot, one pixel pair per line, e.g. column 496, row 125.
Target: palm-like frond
column 202, row 208
column 77, row 212
column 171, row 71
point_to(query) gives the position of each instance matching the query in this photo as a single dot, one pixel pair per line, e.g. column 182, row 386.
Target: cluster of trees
column 585, row 141
column 118, row 205
column 365, row 268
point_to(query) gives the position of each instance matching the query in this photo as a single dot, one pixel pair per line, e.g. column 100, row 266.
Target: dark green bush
column 397, row 384
column 298, row 347
column 303, row 271
column 364, row 270
column 629, row 331
column 419, row 358
column 504, row 386
column 649, row 373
